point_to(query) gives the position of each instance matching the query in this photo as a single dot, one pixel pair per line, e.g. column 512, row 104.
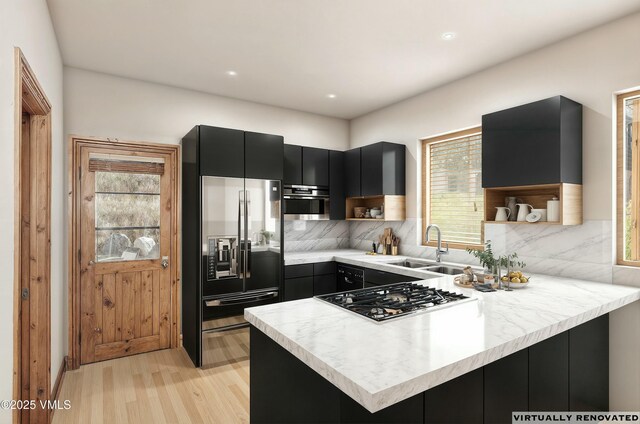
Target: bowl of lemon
column 515, row 279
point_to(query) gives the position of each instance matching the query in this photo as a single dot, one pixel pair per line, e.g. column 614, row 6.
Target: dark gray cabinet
column 225, row 152
column 293, row 392
column 442, row 403
column 315, row 166
column 383, row 169
column 306, row 166
column 375, row 170
column 549, row 374
column 307, row 280
column 589, row 366
column 263, row 156
column 506, row 388
column 352, row 172
column 221, row 151
column 374, row 277
column 292, row 165
column 546, row 134
column 336, row 185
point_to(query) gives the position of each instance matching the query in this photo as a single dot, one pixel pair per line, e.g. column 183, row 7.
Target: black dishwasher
column 350, row 278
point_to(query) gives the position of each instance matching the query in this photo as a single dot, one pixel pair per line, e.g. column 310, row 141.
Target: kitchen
column 583, row 59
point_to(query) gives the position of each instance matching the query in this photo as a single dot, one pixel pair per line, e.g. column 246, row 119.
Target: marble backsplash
column 315, row 235
column 581, row 251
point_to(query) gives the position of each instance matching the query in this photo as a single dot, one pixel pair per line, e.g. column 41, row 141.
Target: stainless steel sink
column 412, row 263
column 443, row 269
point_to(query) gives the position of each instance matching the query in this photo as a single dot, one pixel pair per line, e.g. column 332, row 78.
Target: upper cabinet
column 221, row 151
column 352, row 172
column 533, row 144
column 336, row 185
column 292, row 165
column 263, row 156
column 375, row 170
column 227, row 152
column 306, row 166
column 315, row 166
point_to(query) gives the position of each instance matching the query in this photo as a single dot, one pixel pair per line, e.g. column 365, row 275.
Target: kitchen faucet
column 439, row 250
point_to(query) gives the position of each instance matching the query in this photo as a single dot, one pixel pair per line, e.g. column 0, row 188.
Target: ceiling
column 293, row 53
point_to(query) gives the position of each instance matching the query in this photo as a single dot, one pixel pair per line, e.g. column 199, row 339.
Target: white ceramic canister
column 553, row 210
column 542, row 212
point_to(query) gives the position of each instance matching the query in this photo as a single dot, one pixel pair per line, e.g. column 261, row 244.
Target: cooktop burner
column 382, row 303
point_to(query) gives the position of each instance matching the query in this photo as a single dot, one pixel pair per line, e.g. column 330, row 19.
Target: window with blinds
column 452, row 195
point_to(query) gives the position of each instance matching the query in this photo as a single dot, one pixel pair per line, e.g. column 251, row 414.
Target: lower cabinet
column 566, row 372
column 506, row 387
column 549, row 374
column 308, row 280
column 298, row 288
column 442, row 403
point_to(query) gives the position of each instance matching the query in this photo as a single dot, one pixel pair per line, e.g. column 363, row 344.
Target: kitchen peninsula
column 544, row 347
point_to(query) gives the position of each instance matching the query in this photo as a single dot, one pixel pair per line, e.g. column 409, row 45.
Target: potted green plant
column 485, row 257
column 267, row 236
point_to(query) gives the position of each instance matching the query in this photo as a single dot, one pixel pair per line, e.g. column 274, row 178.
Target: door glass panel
column 127, row 220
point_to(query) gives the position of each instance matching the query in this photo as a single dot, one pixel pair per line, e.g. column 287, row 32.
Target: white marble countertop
column 380, row 364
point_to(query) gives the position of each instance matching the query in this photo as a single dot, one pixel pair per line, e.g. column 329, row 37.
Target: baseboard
column 55, row 392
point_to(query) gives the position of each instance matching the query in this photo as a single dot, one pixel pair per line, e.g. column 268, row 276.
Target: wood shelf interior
column 394, row 207
column 570, row 196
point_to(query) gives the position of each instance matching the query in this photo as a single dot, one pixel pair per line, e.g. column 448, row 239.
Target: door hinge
column 25, row 293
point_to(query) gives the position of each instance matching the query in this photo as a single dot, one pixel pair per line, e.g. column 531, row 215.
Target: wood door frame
column 31, row 99
column 75, row 143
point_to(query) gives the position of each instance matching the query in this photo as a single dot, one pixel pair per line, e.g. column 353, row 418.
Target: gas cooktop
column 383, row 303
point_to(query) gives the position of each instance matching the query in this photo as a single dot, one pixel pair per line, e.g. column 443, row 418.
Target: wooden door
column 126, row 253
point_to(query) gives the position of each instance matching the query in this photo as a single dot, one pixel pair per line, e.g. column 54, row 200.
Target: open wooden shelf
column 570, row 196
column 394, row 207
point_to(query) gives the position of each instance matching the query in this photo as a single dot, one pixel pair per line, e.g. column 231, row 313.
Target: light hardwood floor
column 163, row 386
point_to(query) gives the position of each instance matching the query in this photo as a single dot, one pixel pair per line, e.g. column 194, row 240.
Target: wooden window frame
column 426, row 142
column 620, row 159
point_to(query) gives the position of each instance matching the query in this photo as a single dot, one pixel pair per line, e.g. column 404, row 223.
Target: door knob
column 164, row 263
column 92, row 263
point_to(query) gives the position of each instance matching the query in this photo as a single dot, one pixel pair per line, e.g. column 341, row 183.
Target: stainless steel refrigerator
column 241, row 248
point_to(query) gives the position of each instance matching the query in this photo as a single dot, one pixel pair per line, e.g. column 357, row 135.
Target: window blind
column 455, row 199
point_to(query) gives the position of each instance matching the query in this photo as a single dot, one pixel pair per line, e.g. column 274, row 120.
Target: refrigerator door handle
column 240, row 247
column 247, row 209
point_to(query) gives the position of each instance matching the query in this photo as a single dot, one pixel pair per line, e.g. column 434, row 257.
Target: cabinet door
column 588, row 363
column 549, row 374
column 264, row 156
column 530, row 131
column 336, row 185
column 375, row 277
column 352, row 172
column 292, row 164
column 408, row 411
column 298, row 288
column 324, row 284
column 315, row 166
column 442, row 403
column 505, row 388
column 221, row 152
column 371, row 170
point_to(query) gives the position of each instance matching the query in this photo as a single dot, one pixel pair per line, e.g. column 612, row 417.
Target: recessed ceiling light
column 448, row 36
column 232, row 73
column 331, row 96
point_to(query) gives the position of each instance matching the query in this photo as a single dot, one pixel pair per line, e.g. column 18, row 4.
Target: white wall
column 103, row 105
column 588, row 68
column 26, row 24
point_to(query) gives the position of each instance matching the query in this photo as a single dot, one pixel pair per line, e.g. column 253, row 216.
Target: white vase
column 503, row 213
